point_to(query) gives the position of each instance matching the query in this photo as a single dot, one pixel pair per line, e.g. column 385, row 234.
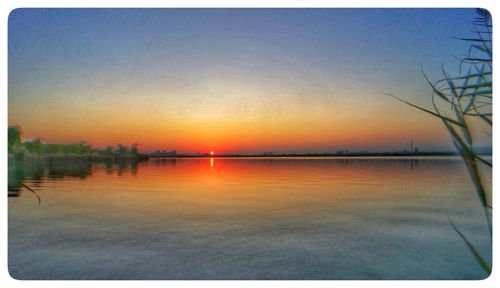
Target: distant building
column 163, row 153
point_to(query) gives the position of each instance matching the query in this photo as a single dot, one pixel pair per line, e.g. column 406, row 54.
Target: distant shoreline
column 311, row 155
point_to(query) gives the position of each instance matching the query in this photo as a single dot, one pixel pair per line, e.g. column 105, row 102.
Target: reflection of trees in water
column 121, row 166
column 124, row 166
column 15, row 179
column 61, row 169
column 37, row 171
column 164, row 161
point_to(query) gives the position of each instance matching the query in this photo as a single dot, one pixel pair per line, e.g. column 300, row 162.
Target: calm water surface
column 253, row 218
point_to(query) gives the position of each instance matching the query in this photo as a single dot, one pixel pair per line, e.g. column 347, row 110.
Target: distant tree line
column 19, row 148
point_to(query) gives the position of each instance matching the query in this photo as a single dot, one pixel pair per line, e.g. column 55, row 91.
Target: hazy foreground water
column 309, row 218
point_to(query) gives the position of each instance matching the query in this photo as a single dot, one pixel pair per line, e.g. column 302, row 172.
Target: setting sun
column 336, row 132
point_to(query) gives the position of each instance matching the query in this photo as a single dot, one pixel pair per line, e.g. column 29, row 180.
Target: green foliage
column 108, row 151
column 467, row 97
column 53, row 149
column 19, row 152
column 122, row 150
column 19, row 149
column 14, row 144
column 80, row 148
column 14, row 138
column 35, row 146
column 134, row 150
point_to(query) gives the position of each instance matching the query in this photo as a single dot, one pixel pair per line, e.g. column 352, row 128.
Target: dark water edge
column 37, row 167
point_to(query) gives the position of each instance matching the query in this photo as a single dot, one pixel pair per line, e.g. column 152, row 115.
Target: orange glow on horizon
column 316, row 131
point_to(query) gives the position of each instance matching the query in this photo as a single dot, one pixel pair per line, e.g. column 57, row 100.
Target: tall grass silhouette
column 465, row 98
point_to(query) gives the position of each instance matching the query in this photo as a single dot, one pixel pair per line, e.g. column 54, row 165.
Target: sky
column 232, row 80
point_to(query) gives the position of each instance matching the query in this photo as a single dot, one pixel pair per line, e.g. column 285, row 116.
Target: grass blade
column 428, row 111
column 33, row 191
column 480, row 259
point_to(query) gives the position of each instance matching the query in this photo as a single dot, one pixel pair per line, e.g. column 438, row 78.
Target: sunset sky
column 232, row 80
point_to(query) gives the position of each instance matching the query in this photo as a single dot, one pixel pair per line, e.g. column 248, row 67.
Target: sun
column 212, row 153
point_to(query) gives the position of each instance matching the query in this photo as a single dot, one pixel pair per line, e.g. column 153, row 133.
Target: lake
column 247, row 218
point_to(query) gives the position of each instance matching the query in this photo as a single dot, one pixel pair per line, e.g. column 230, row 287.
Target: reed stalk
column 459, row 100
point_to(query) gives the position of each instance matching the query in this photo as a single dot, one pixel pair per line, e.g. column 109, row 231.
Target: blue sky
column 255, row 65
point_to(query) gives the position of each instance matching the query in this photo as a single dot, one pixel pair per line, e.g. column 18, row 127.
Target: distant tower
column 411, row 146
